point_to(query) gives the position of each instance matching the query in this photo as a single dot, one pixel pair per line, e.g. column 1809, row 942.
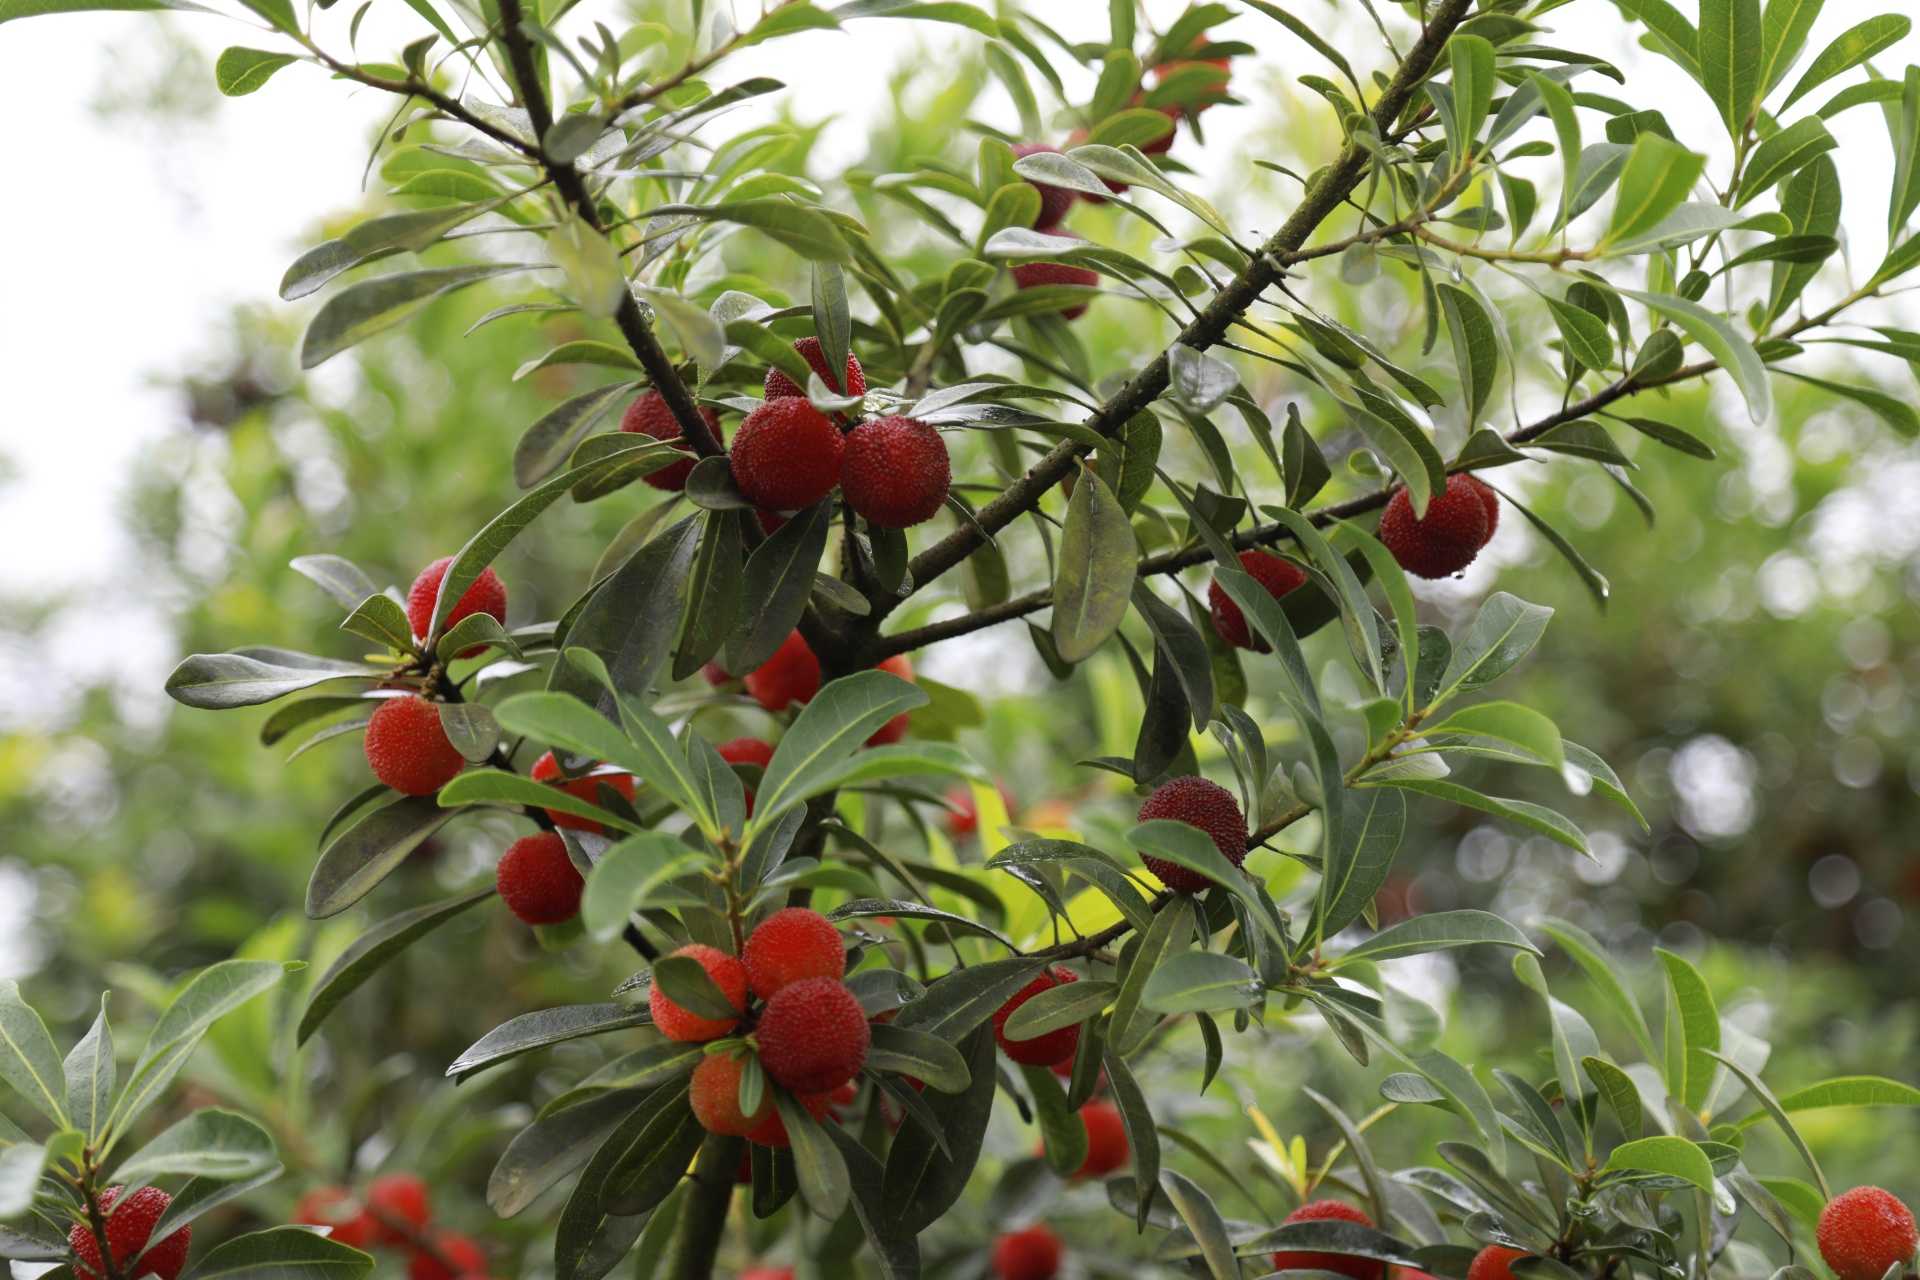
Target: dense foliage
column 1132, row 490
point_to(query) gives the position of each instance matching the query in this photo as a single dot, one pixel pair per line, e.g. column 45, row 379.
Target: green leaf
column 778, row 580
column 1692, row 1031
column 1895, row 412
column 1503, row 632
column 1473, row 87
column 1783, row 35
column 685, row 981
column 1198, row 1212
column 1730, row 59
column 28, row 1060
column 89, row 1070
column 1674, row 34
column 1437, row 931
column 282, row 1253
column 11, row 9
column 627, row 875
column 250, row 676
column 1621, row 1094
column 545, row 446
column 1402, row 443
column 541, row 1028
column 786, row 19
column 839, row 720
column 239, row 72
column 209, row 1143
column 1771, row 1107
column 592, row 266
column 922, row 1180
column 1201, row 982
column 1585, row 334
column 549, row 1149
column 1065, row 1005
column 363, row 309
column 1509, row 722
column 1094, row 577
column 1375, row 825
column 651, row 753
column 1587, row 952
column 1785, row 154
column 1848, row 50
column 1062, row 1132
column 807, row 231
column 1675, row 1157
column 1545, row 821
column 200, row 1195
column 372, row 950
column 1851, row 1091
column 1733, row 352
column 367, row 852
column 213, row 993
column 1801, row 1200
column 1307, row 34
column 1476, row 351
column 497, row 786
column 959, row 1002
column 381, row 619
column 1143, row 1136
column 1171, row 932
column 917, row 1054
column 867, row 908
column 1658, row 177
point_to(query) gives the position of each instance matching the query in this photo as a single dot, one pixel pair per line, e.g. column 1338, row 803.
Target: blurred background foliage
column 1754, row 682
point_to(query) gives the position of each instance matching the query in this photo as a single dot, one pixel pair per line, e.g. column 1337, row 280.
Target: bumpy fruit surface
column 895, row 472
column 1032, row 275
column 714, row 1095
column 586, row 787
column 1203, row 804
column 487, row 595
column 1032, row 1254
column 408, row 747
column 1278, row 576
column 791, row 675
column 792, row 945
column 650, row 416
column 1447, row 540
column 458, row 1256
column 779, row 385
column 1488, row 499
column 1055, row 202
column 1044, row 1050
column 1339, row 1263
column 895, row 729
column 675, row 1023
column 1107, row 1147
column 1495, row 1262
column 336, row 1208
column 129, row 1227
column 538, row 881
column 772, row 1132
column 786, row 455
column 1863, row 1232
column 400, row 1203
column 813, row 1036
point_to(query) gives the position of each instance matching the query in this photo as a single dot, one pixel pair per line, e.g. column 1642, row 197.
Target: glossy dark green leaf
column 361, row 310
column 1476, row 351
column 214, row 992
column 282, row 1253
column 1202, row 982
column 549, row 1149
column 922, row 1183
column 915, row 1053
column 778, row 579
column 1095, row 573
column 1171, row 934
column 372, row 950
column 543, row 1027
column 633, row 618
column 1143, row 1136
column 839, row 720
column 651, row 1151
column 897, row 1250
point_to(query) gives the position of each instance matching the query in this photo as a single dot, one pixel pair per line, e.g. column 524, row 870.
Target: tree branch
column 703, row 1210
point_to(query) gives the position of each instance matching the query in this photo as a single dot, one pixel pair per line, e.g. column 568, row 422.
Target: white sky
column 128, row 249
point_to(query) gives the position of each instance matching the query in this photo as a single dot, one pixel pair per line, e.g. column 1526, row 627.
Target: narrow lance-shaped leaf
column 1095, row 573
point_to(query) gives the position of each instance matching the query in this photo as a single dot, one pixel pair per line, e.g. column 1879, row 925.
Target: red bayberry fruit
column 401, row 1203
column 1488, row 499
column 772, row 1132
column 895, row 472
column 790, row 946
column 408, row 747
column 747, row 751
column 1495, row 1262
column 1276, row 575
column 1203, row 804
column 1044, row 1050
column 1054, row 201
column 716, row 675
column 895, row 729
column 1032, row 1254
column 1339, row 1263
column 650, row 416
column 786, row 455
column 813, row 1035
column 1107, row 1148
column 1447, row 540
column 1032, row 275
column 1164, row 143
column 452, row 1257
column 129, row 1227
column 586, row 787
column 1862, row 1233
column 714, row 1095
column 675, row 1023
column 964, row 818
column 538, row 881
column 487, row 595
column 334, row 1207
column 791, row 675
column 779, row 385
column 765, row 1273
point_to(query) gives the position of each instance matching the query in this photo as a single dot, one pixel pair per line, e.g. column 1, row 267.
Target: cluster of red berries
column 1459, row 521
column 396, row 1213
column 808, row 1030
column 536, row 877
column 406, row 744
column 129, row 1227
column 894, row 472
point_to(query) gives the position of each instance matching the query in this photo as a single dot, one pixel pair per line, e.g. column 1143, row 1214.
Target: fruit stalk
column 703, row 1214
